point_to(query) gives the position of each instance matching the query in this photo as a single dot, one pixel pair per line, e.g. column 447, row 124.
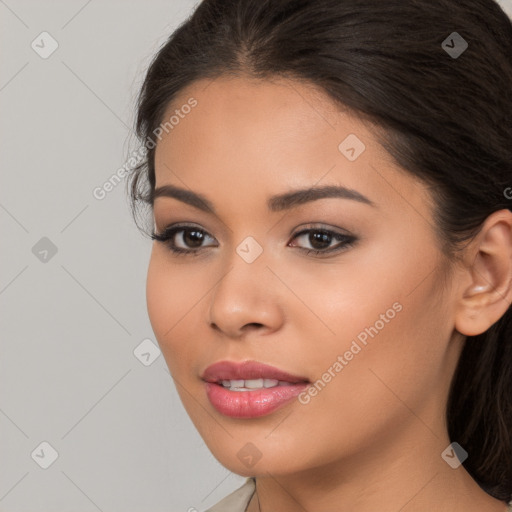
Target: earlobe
column 489, row 293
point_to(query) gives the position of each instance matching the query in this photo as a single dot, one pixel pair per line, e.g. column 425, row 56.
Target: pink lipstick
column 250, row 389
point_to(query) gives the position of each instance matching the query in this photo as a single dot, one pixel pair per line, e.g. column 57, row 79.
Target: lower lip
column 251, row 404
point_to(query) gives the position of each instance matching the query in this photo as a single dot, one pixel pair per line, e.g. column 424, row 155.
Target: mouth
column 250, row 389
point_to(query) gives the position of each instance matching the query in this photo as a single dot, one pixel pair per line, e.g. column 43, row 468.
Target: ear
column 486, row 293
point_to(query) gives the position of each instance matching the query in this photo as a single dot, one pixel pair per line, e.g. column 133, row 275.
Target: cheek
column 380, row 312
column 388, row 368
column 171, row 297
column 376, row 390
column 345, row 299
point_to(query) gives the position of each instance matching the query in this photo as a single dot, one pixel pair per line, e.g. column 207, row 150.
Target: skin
column 372, row 438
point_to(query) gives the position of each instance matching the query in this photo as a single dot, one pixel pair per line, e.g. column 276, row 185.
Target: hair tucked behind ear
column 446, row 119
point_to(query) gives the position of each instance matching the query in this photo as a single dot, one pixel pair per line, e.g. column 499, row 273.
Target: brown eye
column 185, row 240
column 320, row 240
column 190, row 238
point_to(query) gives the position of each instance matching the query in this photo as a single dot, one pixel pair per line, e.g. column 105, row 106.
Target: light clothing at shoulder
column 238, row 500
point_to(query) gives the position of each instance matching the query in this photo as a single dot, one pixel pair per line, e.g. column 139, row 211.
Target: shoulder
column 238, row 500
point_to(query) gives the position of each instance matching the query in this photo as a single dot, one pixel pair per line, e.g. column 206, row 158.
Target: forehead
column 273, row 135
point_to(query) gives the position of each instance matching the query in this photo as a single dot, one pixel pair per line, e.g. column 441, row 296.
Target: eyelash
column 346, row 241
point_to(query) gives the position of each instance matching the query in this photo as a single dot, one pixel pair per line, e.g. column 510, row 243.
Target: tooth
column 250, row 384
column 254, row 383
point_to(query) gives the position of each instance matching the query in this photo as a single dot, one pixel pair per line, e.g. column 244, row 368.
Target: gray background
column 71, row 320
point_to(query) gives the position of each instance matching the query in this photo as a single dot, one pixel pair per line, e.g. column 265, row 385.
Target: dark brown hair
column 445, row 118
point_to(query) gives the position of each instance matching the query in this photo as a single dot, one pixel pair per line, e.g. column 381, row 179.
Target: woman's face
column 369, row 323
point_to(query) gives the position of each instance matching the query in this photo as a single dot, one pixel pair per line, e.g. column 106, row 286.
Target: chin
column 248, row 460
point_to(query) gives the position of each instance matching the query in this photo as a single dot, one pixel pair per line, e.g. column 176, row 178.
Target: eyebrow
column 275, row 203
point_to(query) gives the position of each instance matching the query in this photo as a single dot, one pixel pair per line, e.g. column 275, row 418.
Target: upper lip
column 245, row 370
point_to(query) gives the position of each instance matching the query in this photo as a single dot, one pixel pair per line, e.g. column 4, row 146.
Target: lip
column 230, row 370
column 250, row 404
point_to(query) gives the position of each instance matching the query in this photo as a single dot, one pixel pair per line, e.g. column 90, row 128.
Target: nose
column 247, row 297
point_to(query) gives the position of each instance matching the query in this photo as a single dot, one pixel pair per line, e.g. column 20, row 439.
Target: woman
column 330, row 282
